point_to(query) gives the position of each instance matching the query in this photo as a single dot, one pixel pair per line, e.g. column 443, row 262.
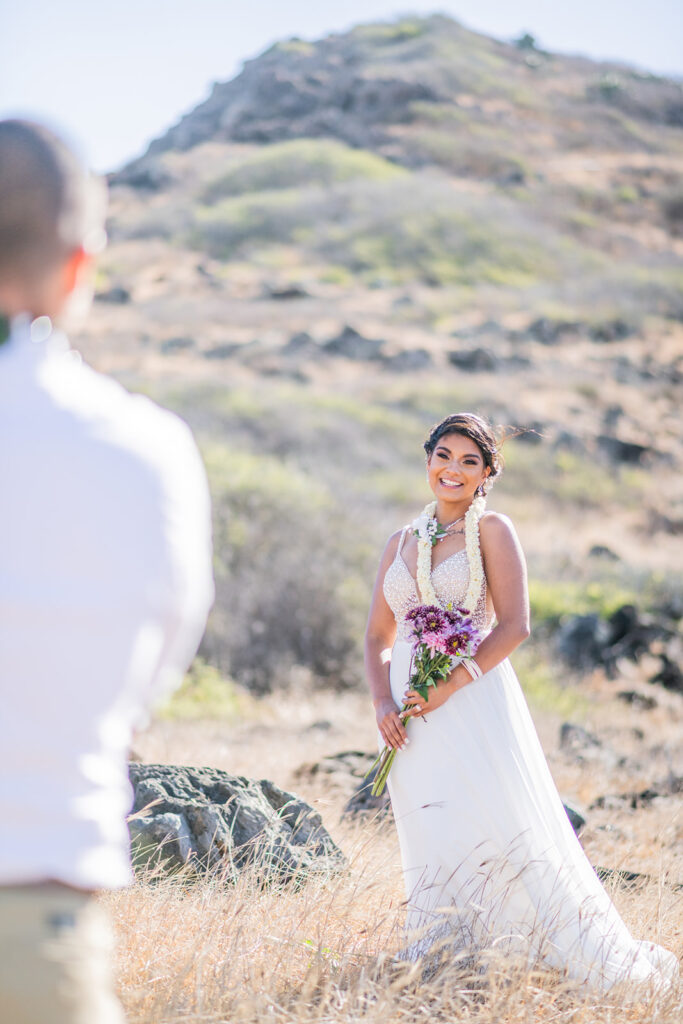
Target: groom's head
column 51, row 220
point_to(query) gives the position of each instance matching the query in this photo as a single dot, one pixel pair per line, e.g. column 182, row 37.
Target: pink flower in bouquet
column 436, row 642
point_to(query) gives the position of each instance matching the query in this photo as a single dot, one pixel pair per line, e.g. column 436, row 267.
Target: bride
column 489, row 856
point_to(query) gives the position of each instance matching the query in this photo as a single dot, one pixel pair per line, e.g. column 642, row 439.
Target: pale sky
column 113, row 76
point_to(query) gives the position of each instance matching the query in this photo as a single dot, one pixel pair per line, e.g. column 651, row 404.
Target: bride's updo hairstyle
column 474, row 427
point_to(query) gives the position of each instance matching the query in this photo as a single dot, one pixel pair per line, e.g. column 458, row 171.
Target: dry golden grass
column 208, row 953
column 203, row 952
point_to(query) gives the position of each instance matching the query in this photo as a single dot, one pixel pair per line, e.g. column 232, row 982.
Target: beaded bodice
column 450, row 580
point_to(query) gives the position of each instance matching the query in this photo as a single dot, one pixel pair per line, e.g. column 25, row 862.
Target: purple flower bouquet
column 440, row 638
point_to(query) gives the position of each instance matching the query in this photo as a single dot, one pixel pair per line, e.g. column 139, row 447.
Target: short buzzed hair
column 49, row 204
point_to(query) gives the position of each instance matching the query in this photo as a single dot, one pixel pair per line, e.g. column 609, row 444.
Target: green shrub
column 392, row 33
column 416, row 226
column 205, row 693
column 544, row 686
column 608, row 87
column 297, row 164
column 577, row 478
column 552, row 601
column 487, row 158
column 279, row 562
column 296, row 47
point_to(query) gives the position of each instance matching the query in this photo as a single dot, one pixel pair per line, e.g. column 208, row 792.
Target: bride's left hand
column 437, row 695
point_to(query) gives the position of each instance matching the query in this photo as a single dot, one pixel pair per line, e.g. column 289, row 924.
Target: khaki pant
column 55, row 958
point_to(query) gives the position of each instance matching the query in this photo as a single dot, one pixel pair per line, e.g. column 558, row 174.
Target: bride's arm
column 505, row 569
column 379, row 638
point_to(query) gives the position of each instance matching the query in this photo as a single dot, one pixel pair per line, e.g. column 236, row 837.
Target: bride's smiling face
column 456, row 468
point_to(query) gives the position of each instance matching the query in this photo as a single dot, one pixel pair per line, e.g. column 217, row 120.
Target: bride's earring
column 480, row 491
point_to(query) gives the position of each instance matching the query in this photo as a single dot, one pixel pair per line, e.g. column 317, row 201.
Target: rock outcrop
column 589, row 641
column 210, row 822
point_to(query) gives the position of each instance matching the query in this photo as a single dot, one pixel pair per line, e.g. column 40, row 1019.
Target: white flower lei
column 425, row 526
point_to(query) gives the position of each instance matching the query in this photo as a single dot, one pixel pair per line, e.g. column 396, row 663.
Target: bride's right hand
column 390, row 725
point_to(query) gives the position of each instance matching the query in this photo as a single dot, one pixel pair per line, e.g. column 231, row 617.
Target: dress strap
column 401, row 539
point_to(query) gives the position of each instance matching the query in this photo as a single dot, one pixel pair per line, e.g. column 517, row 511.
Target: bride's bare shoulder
column 392, row 544
column 391, row 547
column 496, row 529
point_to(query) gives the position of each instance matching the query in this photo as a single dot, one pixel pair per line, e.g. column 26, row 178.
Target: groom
column 105, row 585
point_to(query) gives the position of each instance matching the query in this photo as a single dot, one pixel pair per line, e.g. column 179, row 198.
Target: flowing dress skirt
column 489, row 855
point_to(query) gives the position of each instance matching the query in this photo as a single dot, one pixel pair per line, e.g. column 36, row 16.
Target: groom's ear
column 77, row 264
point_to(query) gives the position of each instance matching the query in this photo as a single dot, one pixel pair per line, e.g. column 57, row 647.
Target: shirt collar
column 36, row 338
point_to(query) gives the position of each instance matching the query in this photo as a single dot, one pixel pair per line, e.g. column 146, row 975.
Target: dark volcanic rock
column 577, row 739
column 586, row 748
column 660, row 523
column 630, row 633
column 531, row 433
column 588, row 641
column 611, row 330
column 343, row 769
column 576, row 819
column 346, row 772
column 551, row 332
column 117, row 296
column 290, row 291
column 602, row 551
column 485, row 360
column 670, row 675
column 212, row 822
column 612, row 414
column 364, row 804
column 627, row 452
column 632, row 879
column 408, row 360
column 146, row 174
column 353, row 345
column 638, row 700
column 474, row 360
column 583, row 745
column 671, row 786
column 582, row 640
column 625, row 879
column 179, row 344
column 231, row 348
column 565, row 440
column 301, row 346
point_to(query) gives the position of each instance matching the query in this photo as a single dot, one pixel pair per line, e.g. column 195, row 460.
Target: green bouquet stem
column 429, row 669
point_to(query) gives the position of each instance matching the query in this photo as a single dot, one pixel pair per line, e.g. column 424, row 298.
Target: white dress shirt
column 105, row 585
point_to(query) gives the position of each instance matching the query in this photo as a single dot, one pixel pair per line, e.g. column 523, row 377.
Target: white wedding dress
column 489, row 856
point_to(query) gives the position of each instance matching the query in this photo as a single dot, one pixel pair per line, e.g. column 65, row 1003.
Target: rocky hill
column 385, row 87
column 421, row 151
